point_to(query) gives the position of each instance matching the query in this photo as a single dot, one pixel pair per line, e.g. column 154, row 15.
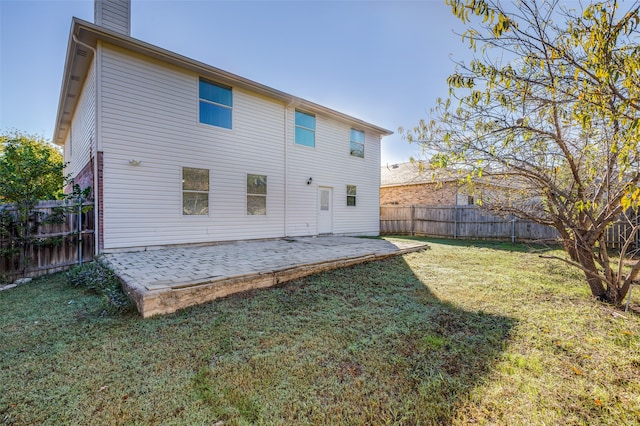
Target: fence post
column 455, row 221
column 79, row 223
column 513, row 229
column 413, row 218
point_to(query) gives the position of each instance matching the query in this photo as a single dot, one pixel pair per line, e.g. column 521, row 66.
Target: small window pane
column 305, row 120
column 256, row 194
column 195, row 203
column 351, row 195
column 256, row 184
column 305, row 137
column 216, row 115
column 195, row 179
column 215, row 93
column 324, row 200
column 357, row 136
column 305, row 129
column 357, row 149
column 256, row 204
column 357, row 143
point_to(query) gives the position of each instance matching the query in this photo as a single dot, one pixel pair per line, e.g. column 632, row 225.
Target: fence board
column 45, row 259
column 471, row 222
column 467, row 222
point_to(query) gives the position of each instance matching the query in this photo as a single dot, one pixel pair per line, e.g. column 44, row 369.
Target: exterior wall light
column 309, row 181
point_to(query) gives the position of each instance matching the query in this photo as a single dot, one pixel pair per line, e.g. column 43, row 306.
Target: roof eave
column 90, row 33
column 60, row 130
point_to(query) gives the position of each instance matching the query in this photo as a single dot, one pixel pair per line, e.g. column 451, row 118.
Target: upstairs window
column 216, row 103
column 305, row 129
column 195, row 191
column 256, row 195
column 351, row 195
column 357, row 143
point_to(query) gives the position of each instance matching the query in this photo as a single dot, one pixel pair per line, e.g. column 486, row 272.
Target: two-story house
column 178, row 152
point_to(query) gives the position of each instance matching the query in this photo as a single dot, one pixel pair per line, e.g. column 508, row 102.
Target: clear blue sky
column 384, row 62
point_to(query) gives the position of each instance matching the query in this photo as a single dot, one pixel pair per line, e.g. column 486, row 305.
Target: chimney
column 114, row 15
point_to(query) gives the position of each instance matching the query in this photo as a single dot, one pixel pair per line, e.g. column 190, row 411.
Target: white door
column 325, row 210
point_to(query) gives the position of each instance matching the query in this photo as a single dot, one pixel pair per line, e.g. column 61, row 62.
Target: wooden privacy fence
column 464, row 222
column 618, row 233
column 471, row 222
column 54, row 247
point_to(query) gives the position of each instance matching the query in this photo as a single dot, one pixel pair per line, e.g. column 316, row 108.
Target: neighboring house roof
column 79, row 57
column 420, row 173
column 413, row 174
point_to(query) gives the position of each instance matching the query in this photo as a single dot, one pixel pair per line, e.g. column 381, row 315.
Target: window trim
column 201, row 100
column 251, row 194
column 353, row 196
column 193, row 191
column 352, row 142
column 296, row 126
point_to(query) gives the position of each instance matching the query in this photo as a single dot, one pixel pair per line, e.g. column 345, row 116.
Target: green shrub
column 101, row 281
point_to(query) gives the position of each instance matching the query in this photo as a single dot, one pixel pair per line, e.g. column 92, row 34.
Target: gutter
column 93, row 148
column 286, row 166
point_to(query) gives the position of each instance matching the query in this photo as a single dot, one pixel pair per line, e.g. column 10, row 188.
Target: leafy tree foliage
column 31, row 169
column 550, row 103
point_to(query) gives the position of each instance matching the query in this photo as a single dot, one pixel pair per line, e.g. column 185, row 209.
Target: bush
column 103, row 282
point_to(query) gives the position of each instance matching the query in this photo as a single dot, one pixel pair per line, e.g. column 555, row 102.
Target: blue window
column 305, row 129
column 357, row 143
column 216, row 103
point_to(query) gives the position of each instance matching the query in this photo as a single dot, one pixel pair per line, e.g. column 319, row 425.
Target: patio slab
column 165, row 280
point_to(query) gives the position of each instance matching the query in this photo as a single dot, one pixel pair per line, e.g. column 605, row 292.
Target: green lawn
column 461, row 333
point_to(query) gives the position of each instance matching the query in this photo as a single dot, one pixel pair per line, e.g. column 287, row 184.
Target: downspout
column 286, row 167
column 96, row 199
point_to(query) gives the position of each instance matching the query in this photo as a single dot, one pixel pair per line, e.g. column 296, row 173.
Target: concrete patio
column 165, row 280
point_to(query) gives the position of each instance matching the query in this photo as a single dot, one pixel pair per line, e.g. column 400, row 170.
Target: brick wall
column 427, row 193
column 83, row 179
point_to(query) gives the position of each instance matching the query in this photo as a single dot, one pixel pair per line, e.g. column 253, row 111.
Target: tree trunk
column 586, row 258
column 570, row 249
column 615, row 296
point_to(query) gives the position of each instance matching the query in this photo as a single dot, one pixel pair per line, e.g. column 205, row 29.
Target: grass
column 462, row 333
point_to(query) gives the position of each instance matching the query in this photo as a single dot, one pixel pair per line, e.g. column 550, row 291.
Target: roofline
column 447, row 180
column 90, row 34
column 426, row 182
column 64, row 89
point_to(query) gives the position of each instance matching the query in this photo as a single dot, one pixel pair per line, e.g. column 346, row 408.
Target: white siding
column 81, row 136
column 150, row 114
column 331, row 165
column 114, row 15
